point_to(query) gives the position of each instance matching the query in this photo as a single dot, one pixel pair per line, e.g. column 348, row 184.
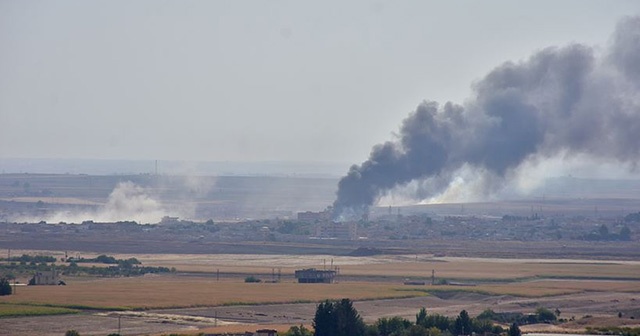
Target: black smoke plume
column 571, row 100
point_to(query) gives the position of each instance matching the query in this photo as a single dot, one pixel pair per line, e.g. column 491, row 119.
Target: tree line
column 27, row 265
column 340, row 318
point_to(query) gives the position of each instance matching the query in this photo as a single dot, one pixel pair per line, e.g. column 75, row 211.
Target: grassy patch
column 438, row 291
column 17, row 310
column 492, row 290
column 573, row 277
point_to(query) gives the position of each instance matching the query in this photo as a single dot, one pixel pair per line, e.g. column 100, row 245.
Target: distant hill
column 171, row 167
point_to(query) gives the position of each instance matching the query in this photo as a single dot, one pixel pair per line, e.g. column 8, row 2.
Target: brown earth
column 603, row 307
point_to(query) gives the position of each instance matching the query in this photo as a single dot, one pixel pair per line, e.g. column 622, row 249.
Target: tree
column 324, row 322
column 371, row 330
column 625, row 233
column 462, row 324
column 298, row 331
column 105, row 259
column 481, row 326
column 392, row 326
column 421, row 317
column 337, row 319
column 545, row 315
column 417, row 330
column 252, row 279
column 71, row 333
column 604, row 231
column 349, row 321
column 514, row 330
column 5, row 287
column 438, row 321
column 433, row 331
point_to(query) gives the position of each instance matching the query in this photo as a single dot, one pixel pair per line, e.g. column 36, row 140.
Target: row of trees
column 603, row 233
column 119, row 270
column 105, row 259
column 542, row 315
column 340, row 318
column 123, row 268
column 25, row 258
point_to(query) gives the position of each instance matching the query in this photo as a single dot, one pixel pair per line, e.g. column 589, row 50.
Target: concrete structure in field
column 312, row 275
column 46, row 278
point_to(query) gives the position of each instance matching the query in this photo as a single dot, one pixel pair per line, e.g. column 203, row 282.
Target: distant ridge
column 171, row 167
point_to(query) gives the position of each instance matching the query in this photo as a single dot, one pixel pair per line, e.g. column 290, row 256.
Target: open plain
column 208, row 292
column 549, row 253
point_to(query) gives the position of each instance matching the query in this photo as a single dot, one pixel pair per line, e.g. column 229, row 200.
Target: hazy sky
column 255, row 80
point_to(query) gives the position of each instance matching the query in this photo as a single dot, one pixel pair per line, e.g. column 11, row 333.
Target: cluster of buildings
column 326, row 228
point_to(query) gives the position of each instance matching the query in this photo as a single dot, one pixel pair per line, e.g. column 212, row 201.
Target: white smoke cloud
column 471, row 184
column 127, row 202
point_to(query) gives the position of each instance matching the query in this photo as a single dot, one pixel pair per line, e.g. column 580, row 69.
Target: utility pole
column 119, row 317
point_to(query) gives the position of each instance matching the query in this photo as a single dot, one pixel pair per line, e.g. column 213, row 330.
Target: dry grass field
column 409, row 266
column 502, row 270
column 281, row 328
column 179, row 291
column 175, row 291
column 583, row 286
column 542, row 288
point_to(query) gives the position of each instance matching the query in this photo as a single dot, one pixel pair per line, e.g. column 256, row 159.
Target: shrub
column 252, row 279
column 5, row 287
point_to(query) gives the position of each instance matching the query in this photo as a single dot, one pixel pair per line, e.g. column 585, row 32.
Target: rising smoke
column 127, row 202
column 567, row 102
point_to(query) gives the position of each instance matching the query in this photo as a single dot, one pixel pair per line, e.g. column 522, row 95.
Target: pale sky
column 255, row 80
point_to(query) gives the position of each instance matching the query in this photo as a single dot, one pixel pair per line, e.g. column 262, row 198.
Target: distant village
column 319, row 227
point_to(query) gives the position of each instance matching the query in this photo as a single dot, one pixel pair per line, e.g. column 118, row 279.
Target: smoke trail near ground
column 569, row 101
column 127, row 202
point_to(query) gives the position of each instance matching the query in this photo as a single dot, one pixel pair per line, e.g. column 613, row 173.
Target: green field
column 17, row 310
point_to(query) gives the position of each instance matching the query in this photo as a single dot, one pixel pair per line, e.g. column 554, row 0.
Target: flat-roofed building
column 312, row 275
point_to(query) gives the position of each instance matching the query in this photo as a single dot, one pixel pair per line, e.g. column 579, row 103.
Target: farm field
column 176, row 291
column 193, row 297
column 415, row 266
column 169, row 291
